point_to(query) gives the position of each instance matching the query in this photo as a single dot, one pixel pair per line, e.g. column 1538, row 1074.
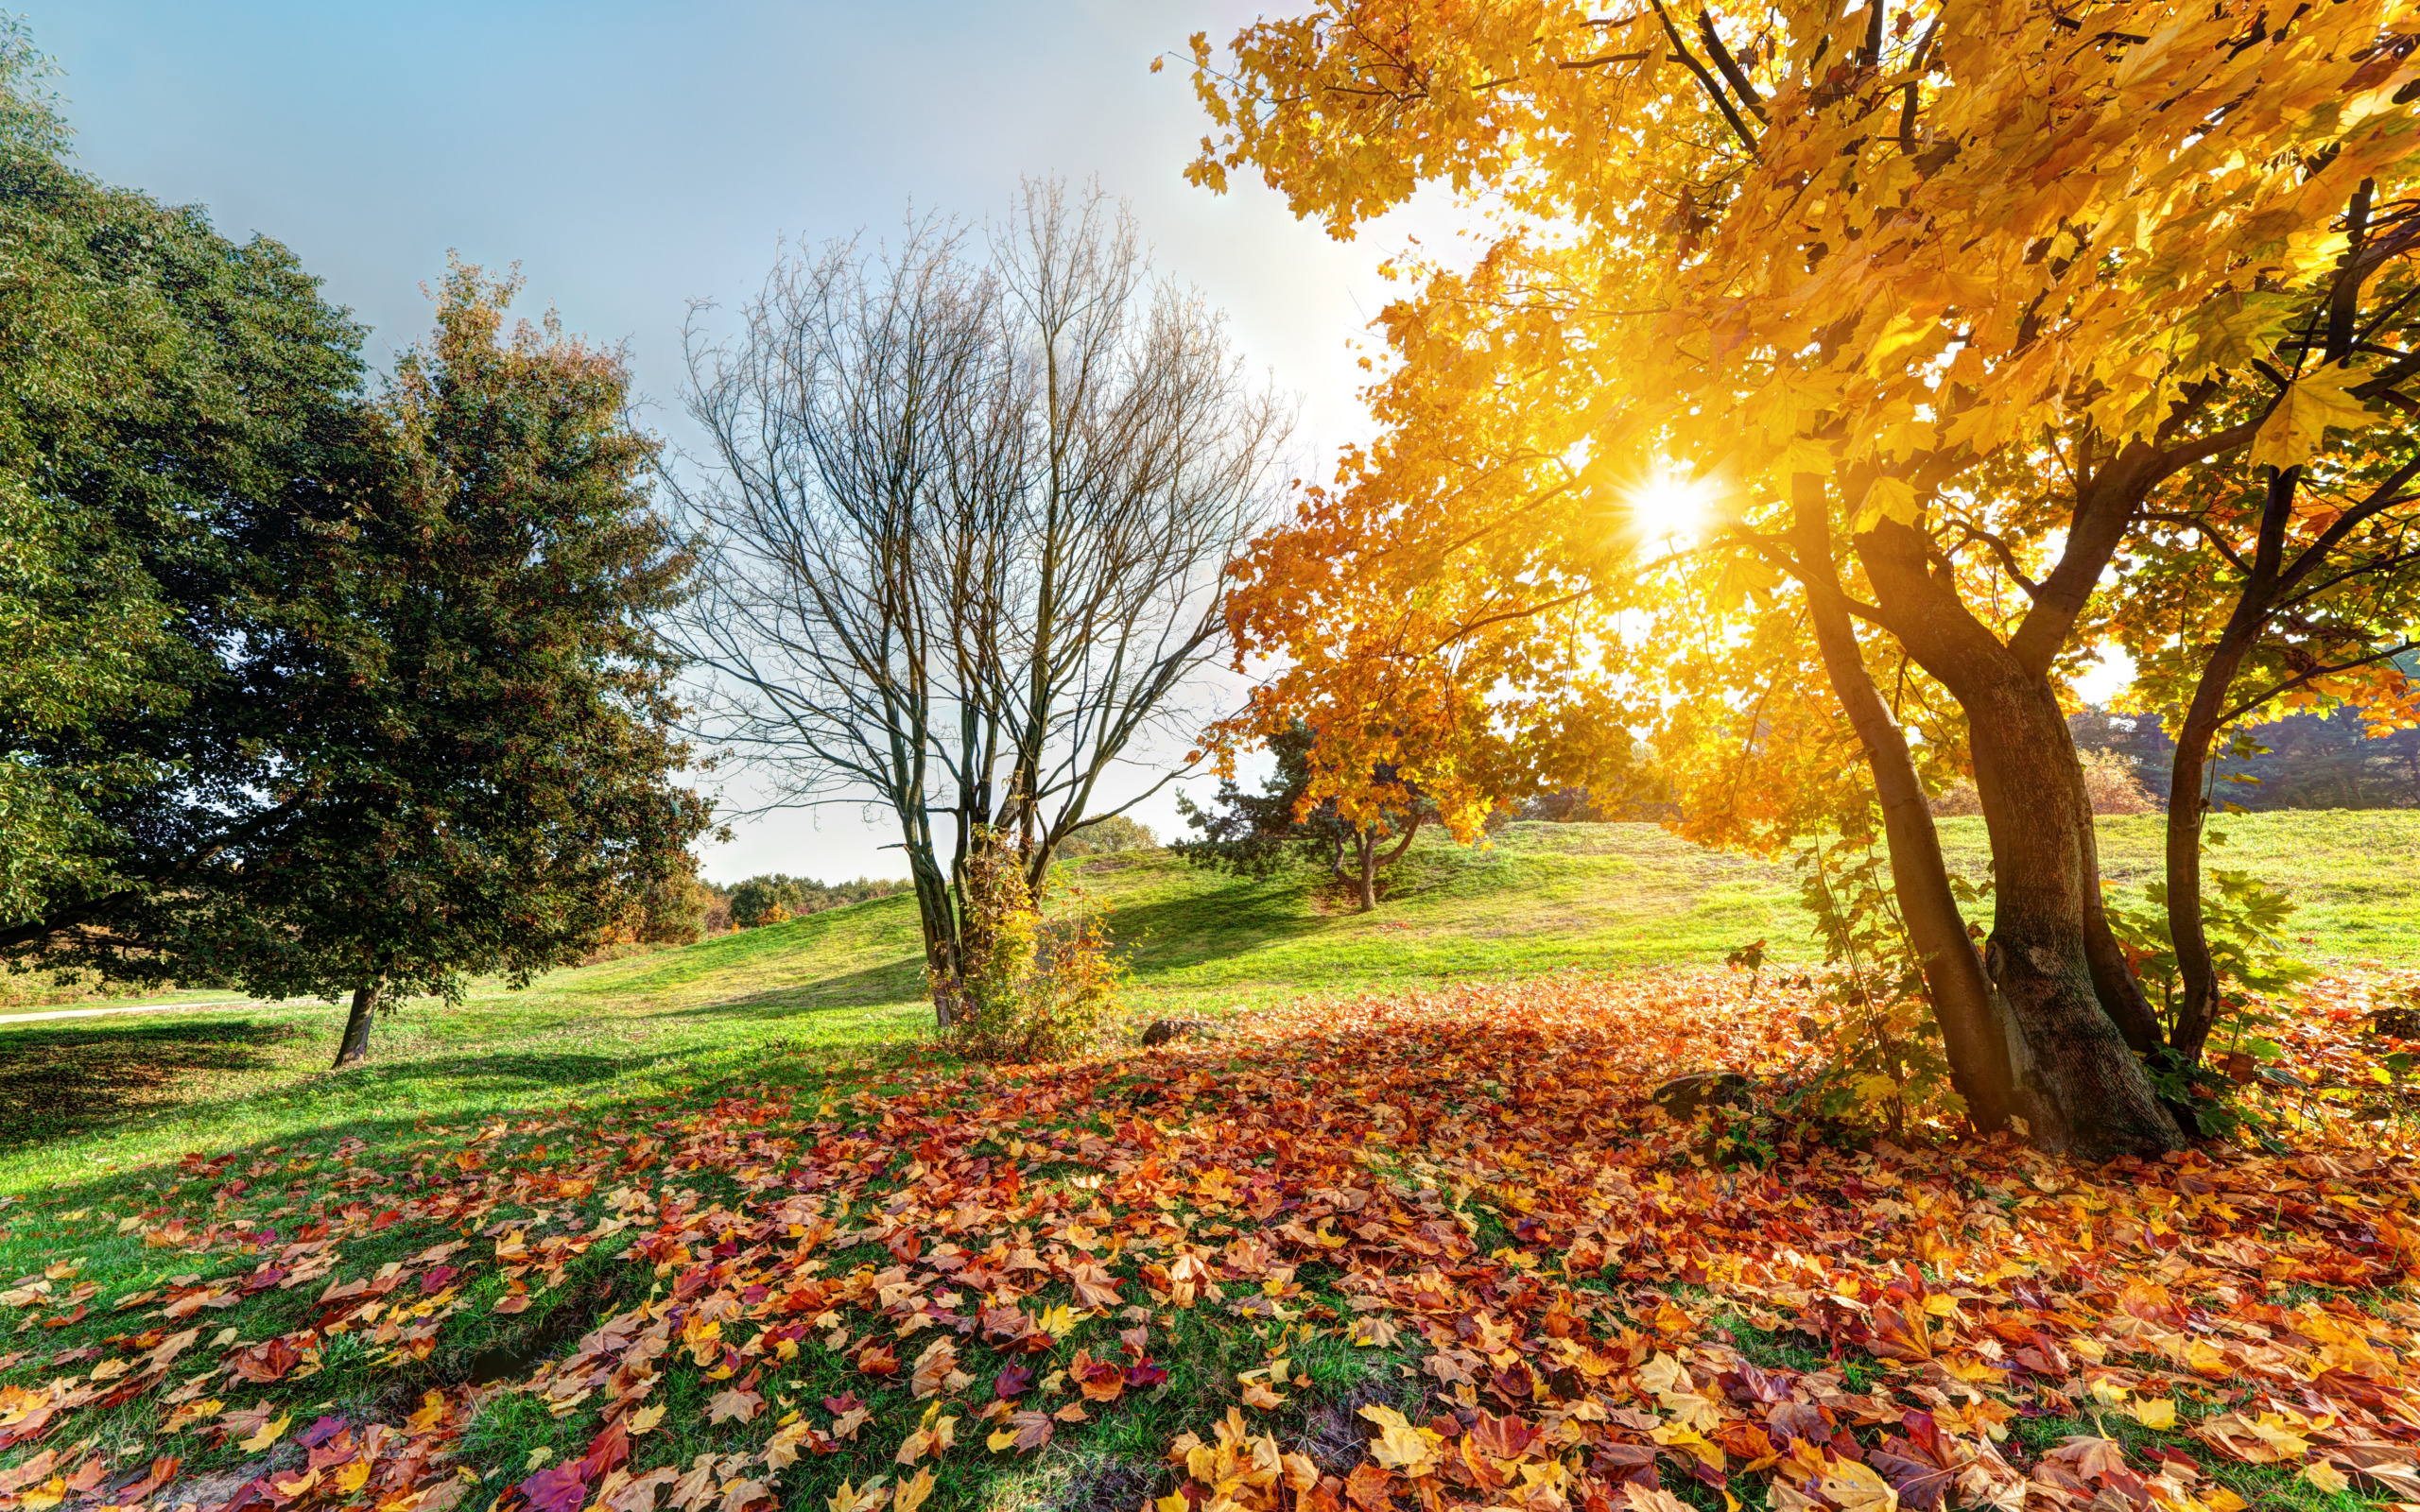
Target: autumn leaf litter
column 1558, row 1296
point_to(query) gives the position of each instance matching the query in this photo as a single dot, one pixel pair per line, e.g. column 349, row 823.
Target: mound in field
column 1438, row 1250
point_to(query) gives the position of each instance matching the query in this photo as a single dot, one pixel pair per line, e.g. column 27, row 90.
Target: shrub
column 1107, row 837
column 1028, row 988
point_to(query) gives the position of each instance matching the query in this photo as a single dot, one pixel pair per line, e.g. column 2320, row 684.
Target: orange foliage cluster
column 1476, row 1183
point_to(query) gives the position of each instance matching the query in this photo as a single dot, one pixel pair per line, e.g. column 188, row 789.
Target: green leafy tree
column 479, row 717
column 171, row 404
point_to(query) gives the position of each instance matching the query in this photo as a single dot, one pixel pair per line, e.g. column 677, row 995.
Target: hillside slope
column 847, row 985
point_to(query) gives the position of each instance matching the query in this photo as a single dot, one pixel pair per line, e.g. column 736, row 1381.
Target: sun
column 1670, row 505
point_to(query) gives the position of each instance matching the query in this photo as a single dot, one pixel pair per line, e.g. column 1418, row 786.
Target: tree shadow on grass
column 58, row 1083
column 900, row 981
column 1181, row 932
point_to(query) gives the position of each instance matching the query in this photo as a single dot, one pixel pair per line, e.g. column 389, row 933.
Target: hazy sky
column 632, row 157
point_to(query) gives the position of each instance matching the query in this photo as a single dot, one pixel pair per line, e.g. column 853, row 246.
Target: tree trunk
column 2069, row 1053
column 937, row 912
column 2197, row 1004
column 1971, row 1031
column 1366, row 882
column 355, row 1047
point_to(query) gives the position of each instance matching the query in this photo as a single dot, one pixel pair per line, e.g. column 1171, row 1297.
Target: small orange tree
column 1928, row 307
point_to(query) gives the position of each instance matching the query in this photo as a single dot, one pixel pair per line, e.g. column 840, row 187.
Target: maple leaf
column 269, row 1433
column 934, row 1366
column 607, row 1452
column 911, row 1494
column 1921, row 1466
column 850, row 1499
column 1399, row 1445
column 1026, row 1430
column 558, row 1490
column 265, row 1363
column 2299, row 420
column 1098, row 1380
column 1369, row 1489
column 644, row 1418
column 877, row 1360
column 1013, row 1380
column 738, row 1403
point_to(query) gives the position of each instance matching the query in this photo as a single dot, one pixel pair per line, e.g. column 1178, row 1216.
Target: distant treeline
column 775, row 895
column 2301, row 762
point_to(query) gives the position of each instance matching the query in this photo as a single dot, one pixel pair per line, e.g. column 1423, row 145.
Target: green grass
column 89, row 1096
column 97, row 1106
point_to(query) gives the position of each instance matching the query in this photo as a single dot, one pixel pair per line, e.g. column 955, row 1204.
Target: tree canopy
column 1834, row 350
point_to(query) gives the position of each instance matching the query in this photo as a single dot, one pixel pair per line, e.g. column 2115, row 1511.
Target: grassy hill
column 88, row 1096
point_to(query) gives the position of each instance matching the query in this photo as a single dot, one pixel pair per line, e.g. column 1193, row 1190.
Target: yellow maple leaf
column 2155, row 1414
column 269, row 1433
column 1399, row 1445
column 849, row 1498
column 645, row 1418
column 1887, row 498
column 911, row 1496
column 2302, row 413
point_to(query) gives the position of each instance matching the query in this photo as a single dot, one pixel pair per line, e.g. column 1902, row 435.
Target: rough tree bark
column 355, row 1047
column 1971, row 1021
column 2067, row 1052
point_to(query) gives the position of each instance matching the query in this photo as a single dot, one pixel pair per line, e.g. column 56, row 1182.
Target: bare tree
column 966, row 528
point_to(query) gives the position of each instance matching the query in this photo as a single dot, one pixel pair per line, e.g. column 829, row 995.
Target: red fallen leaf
column 1922, row 1466
column 162, row 1470
column 844, row 1404
column 1098, row 1380
column 1504, row 1438
column 1145, row 1372
column 320, row 1431
column 434, row 1278
column 1369, row 1487
column 262, row 1278
column 877, row 1360
column 607, row 1452
column 1013, row 1380
column 556, row 1488
column 265, row 1363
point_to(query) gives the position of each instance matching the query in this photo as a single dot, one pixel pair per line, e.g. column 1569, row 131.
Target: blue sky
column 634, row 157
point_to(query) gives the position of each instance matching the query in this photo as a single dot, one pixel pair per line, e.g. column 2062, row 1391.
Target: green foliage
column 2245, row 922
column 1027, row 987
column 487, row 770
column 1884, row 1063
column 170, row 403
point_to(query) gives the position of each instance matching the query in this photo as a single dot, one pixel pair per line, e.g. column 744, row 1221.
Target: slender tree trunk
column 2198, row 972
column 1365, row 882
column 355, row 1048
column 2071, row 1054
column 937, row 913
column 1963, row 1004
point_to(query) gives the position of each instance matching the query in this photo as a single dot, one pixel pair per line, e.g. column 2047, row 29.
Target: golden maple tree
column 1922, row 306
